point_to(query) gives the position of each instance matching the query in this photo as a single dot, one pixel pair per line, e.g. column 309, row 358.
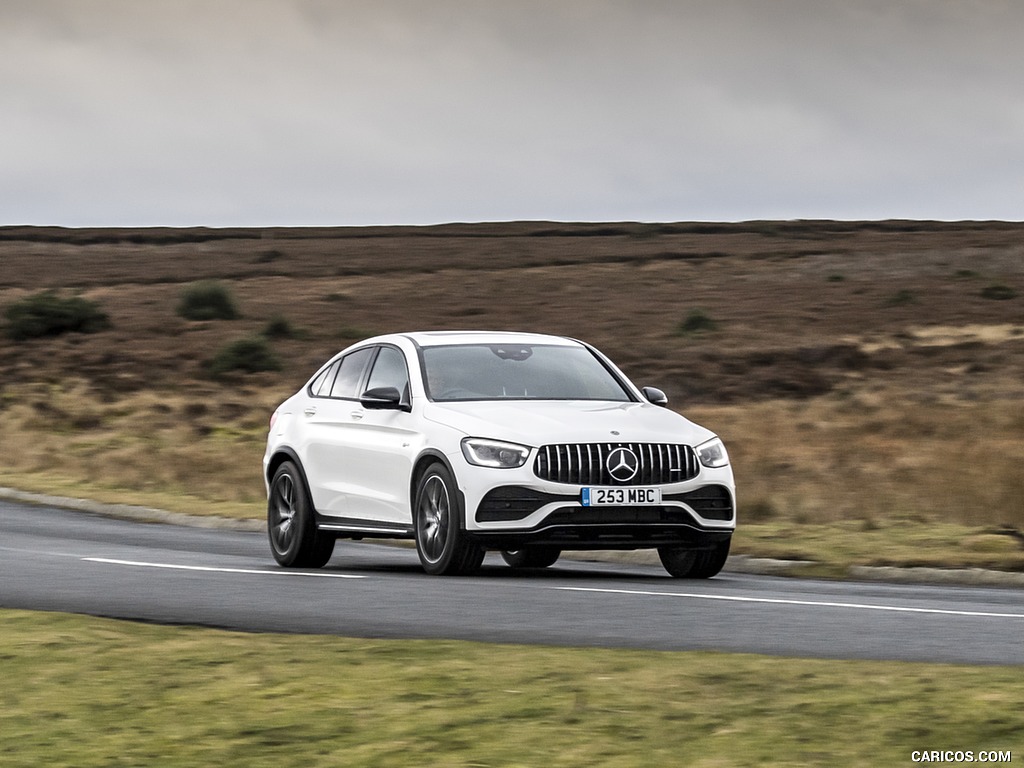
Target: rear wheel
column 291, row 526
column 695, row 564
column 531, row 557
column 442, row 545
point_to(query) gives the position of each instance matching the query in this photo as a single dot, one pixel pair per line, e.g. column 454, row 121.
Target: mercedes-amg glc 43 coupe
column 472, row 441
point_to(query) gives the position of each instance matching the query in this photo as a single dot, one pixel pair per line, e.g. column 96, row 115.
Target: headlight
column 494, row 453
column 712, row 454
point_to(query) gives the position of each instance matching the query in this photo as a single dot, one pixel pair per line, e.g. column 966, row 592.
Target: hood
column 541, row 422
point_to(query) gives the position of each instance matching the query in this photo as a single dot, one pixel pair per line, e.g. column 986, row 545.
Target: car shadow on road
column 560, row 571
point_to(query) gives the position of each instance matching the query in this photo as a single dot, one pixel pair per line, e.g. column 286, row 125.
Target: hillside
column 777, row 309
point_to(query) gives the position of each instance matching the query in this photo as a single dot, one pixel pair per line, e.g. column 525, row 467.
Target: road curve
column 59, row 560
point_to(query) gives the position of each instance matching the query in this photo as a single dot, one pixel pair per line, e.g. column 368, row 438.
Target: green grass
column 903, row 542
column 94, row 692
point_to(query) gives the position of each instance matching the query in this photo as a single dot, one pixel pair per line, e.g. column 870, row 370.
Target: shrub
column 250, row 355
column 268, row 256
column 998, row 292
column 901, row 298
column 278, row 327
column 47, row 314
column 696, row 322
column 207, row 300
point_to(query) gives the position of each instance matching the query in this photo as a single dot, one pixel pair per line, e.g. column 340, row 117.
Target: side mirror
column 383, row 398
column 655, row 396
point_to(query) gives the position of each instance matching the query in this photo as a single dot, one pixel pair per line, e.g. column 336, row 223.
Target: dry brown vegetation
column 866, row 372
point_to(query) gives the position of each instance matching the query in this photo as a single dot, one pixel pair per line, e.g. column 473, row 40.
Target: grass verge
column 836, row 546
column 94, row 692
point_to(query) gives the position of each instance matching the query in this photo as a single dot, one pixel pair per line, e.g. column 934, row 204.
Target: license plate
column 616, row 497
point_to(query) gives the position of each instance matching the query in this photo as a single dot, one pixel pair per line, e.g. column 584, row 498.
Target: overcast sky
column 333, row 112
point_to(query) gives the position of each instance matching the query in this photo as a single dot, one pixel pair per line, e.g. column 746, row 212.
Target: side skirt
column 354, row 528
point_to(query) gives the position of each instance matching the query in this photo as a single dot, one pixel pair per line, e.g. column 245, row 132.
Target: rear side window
column 350, row 373
column 321, row 385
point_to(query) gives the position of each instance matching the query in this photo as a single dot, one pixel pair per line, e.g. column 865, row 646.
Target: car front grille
column 587, row 463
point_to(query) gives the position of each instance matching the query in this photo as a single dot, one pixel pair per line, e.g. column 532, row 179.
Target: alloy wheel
column 435, row 518
column 282, row 519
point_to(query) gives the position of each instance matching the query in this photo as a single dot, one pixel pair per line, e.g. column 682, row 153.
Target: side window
column 321, row 385
column 350, row 372
column 389, row 371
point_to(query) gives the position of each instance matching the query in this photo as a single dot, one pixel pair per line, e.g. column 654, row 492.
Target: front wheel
column 695, row 564
column 294, row 538
column 531, row 557
column 442, row 545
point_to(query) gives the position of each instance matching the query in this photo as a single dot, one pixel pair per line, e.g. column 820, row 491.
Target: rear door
column 329, row 421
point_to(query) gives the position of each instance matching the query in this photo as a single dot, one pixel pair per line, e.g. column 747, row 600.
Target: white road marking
column 209, row 568
column 810, row 603
column 40, row 552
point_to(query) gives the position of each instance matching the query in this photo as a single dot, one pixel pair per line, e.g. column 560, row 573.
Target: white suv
column 469, row 441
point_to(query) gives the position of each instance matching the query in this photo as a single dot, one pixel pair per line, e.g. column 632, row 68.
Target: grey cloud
column 304, row 112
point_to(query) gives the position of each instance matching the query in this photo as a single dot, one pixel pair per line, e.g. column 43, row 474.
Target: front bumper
column 509, row 509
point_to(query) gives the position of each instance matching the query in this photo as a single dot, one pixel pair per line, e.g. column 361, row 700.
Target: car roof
column 446, row 338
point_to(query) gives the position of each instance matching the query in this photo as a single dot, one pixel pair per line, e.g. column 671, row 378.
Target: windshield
column 517, row 372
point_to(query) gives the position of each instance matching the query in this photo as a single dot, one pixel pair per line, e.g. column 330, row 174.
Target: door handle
column 356, row 415
column 311, row 411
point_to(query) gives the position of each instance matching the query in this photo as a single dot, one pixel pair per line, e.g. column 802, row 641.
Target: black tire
column 291, row 525
column 442, row 545
column 531, row 557
column 695, row 564
column 678, row 562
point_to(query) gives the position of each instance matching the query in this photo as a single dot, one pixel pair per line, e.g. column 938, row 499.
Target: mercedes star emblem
column 622, row 464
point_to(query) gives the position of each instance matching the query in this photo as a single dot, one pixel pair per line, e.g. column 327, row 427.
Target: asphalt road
column 59, row 560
